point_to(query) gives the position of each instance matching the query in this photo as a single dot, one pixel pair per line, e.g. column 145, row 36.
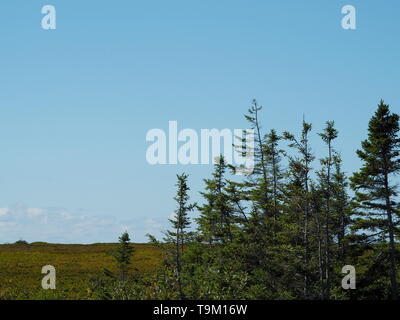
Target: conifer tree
column 216, row 220
column 375, row 189
column 298, row 191
column 261, row 192
column 325, row 175
column 179, row 236
column 123, row 254
column 256, row 189
column 218, row 227
column 258, row 181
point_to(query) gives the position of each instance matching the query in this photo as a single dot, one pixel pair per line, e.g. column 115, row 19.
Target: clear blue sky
column 76, row 102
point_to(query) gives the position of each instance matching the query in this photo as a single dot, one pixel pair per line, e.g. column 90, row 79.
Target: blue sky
column 76, row 102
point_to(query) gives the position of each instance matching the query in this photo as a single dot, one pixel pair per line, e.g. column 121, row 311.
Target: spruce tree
column 258, row 182
column 374, row 186
column 256, row 189
column 216, row 221
column 218, row 227
column 123, row 254
column 298, row 193
column 325, row 175
column 179, row 236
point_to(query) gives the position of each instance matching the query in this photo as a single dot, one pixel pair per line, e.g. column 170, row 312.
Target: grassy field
column 20, row 267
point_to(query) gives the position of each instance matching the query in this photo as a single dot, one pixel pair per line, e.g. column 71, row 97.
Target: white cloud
column 34, row 212
column 58, row 225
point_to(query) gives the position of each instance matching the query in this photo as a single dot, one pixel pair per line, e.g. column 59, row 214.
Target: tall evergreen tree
column 256, row 188
column 258, row 182
column 375, row 191
column 218, row 227
column 325, row 175
column 261, row 193
column 215, row 221
column 179, row 235
column 298, row 190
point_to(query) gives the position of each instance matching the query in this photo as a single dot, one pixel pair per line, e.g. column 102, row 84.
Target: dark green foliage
column 216, row 221
column 298, row 205
column 21, row 242
column 171, row 280
column 123, row 254
column 375, row 189
column 286, row 230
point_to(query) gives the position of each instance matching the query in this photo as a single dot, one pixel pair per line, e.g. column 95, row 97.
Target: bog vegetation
column 78, row 267
column 284, row 231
